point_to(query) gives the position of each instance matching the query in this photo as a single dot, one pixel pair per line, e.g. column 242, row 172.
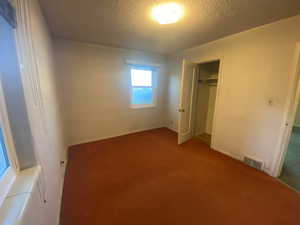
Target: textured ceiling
column 127, row 24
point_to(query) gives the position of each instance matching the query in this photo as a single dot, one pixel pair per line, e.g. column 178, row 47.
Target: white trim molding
column 289, row 116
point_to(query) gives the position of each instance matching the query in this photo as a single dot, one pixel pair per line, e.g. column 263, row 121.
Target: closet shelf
column 212, row 79
column 208, row 81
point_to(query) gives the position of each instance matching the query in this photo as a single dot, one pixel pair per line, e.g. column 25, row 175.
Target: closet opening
column 207, row 76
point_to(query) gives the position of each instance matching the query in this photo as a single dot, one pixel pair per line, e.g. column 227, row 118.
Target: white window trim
column 142, row 63
column 9, row 175
column 154, row 87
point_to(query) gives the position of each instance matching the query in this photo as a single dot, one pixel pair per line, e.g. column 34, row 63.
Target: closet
column 205, row 98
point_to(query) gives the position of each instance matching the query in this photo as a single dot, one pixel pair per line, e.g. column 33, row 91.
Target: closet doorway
column 205, row 100
column 198, row 98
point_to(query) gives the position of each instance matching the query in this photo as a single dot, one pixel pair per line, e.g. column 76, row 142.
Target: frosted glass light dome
column 167, row 13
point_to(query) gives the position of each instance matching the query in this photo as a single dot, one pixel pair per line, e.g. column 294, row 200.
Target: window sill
column 14, row 204
column 6, row 182
column 142, row 106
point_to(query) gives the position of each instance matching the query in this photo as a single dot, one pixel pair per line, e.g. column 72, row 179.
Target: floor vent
column 253, row 163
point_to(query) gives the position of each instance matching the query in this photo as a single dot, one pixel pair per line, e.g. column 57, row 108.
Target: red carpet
column 146, row 179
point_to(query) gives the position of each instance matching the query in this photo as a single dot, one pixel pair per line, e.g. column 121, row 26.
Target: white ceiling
column 127, row 24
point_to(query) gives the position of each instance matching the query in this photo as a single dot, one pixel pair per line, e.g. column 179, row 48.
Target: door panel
column 187, row 90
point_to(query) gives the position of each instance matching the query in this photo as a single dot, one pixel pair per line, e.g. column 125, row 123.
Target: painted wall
column 257, row 67
column 94, row 84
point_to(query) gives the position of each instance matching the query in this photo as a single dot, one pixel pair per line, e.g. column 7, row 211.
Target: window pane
column 143, row 96
column 141, row 77
column 3, row 157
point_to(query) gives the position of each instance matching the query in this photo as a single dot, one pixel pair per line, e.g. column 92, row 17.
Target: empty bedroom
column 149, row 112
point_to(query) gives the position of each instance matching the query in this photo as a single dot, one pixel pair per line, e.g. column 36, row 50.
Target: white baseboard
column 112, row 136
column 234, row 156
column 172, row 128
column 240, row 158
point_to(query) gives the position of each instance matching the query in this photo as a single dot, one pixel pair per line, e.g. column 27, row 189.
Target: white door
column 187, row 90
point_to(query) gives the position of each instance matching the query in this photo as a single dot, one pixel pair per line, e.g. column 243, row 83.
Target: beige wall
column 95, row 91
column 257, row 67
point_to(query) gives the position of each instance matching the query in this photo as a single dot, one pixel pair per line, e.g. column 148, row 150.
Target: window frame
column 154, row 71
column 8, row 177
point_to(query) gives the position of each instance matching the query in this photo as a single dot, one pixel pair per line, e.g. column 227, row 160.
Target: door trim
column 218, row 94
column 289, row 116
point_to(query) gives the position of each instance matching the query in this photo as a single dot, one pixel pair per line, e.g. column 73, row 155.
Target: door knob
column 181, row 110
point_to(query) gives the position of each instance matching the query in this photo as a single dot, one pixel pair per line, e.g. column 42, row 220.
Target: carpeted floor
column 291, row 168
column 146, row 179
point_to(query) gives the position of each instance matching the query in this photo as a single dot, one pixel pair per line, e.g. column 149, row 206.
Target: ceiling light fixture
column 167, row 13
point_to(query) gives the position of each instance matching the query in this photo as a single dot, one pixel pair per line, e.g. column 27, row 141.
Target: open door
column 187, row 90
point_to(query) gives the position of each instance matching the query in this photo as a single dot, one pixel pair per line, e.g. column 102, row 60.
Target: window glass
column 4, row 164
column 141, row 86
column 141, row 77
column 142, row 96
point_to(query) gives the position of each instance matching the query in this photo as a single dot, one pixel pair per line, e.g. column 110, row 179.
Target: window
column 8, row 161
column 4, row 163
column 142, row 86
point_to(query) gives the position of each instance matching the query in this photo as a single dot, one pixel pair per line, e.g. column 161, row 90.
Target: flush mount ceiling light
column 167, row 13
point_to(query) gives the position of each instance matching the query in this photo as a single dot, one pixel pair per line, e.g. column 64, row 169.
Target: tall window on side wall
column 4, row 163
column 143, row 86
column 8, row 160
